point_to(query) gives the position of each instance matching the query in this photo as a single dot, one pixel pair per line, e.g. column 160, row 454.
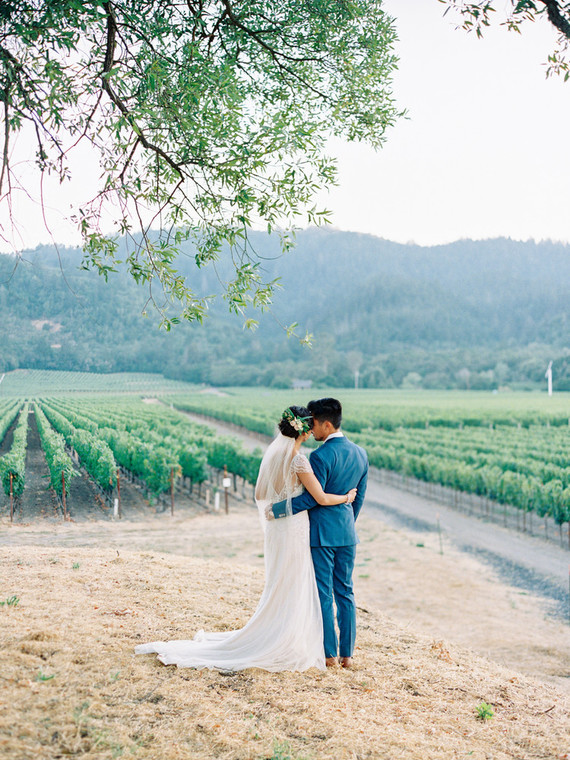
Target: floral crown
column 300, row 424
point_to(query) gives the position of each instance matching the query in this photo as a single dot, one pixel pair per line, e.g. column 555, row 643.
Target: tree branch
column 128, row 161
column 6, row 138
column 257, row 37
column 109, row 57
column 556, row 17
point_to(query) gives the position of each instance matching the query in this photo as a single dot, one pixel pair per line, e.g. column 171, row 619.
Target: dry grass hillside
column 72, row 687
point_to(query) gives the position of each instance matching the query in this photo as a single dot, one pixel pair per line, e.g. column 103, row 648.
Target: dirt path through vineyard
column 38, row 500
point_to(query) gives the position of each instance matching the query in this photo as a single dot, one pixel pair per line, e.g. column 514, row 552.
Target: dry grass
column 453, row 596
column 82, row 610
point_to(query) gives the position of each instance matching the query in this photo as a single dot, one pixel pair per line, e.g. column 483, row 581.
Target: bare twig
column 545, row 712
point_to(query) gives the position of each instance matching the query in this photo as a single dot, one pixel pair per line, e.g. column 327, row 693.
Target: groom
column 339, row 465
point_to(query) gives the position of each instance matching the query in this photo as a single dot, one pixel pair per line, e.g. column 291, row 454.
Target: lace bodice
column 300, row 463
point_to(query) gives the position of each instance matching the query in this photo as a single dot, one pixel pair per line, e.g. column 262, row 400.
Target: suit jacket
column 339, row 465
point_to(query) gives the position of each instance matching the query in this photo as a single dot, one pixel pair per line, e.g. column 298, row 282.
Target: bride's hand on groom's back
column 351, row 496
column 269, row 513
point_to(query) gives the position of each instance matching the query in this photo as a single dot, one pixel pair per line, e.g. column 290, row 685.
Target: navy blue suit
column 339, row 465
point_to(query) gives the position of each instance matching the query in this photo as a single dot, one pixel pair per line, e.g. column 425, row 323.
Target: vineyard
column 147, row 444
column 509, row 449
column 31, row 382
column 13, row 463
column 364, row 410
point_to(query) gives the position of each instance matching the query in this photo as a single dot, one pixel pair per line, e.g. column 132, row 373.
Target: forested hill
column 379, row 294
column 480, row 314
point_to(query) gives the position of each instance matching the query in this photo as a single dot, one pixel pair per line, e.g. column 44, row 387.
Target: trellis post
column 226, row 483
column 63, row 495
column 119, row 492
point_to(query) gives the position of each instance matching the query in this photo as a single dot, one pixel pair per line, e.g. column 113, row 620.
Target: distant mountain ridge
column 496, row 308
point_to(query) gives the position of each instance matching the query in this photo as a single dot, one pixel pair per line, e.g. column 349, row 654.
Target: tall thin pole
column 549, row 378
column 11, row 500
column 439, row 531
column 226, row 488
column 172, row 490
column 63, row 495
column 119, row 492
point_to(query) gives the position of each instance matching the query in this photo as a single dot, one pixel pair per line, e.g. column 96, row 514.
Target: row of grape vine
column 526, row 465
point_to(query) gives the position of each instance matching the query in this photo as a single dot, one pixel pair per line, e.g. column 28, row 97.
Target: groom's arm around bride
column 338, row 465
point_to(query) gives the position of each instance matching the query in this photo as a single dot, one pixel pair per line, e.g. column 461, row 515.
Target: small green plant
column 41, row 676
column 485, row 711
column 11, row 601
column 283, row 751
column 76, row 566
column 78, row 712
column 115, row 676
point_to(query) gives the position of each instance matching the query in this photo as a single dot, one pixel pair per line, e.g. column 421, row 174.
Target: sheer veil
column 276, row 482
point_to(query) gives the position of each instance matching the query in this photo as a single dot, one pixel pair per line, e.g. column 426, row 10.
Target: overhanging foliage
column 208, row 118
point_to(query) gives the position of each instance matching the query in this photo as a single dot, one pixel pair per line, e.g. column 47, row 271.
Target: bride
column 286, row 630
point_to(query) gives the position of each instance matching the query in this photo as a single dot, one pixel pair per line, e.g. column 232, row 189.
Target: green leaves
column 11, row 601
column 82, row 435
column 53, row 444
column 476, row 16
column 13, row 464
column 485, row 711
column 207, row 120
column 153, row 444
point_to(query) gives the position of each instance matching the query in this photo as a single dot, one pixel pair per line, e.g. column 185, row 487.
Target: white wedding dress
column 286, row 630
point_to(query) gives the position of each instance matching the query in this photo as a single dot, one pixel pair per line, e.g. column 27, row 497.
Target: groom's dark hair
column 326, row 409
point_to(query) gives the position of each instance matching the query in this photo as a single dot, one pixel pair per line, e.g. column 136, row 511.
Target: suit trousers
column 333, row 572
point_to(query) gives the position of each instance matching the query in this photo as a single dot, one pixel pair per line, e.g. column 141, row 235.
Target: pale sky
column 482, row 154
column 484, row 151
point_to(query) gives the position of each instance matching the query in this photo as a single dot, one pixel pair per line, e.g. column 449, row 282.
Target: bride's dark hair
column 299, row 412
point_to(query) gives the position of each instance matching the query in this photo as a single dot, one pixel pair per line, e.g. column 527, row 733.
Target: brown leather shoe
column 346, row 662
column 331, row 662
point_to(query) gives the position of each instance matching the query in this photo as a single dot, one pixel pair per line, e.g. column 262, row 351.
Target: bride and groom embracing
column 309, row 555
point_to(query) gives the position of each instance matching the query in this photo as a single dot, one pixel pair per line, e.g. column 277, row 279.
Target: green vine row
column 58, row 461
column 13, row 464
